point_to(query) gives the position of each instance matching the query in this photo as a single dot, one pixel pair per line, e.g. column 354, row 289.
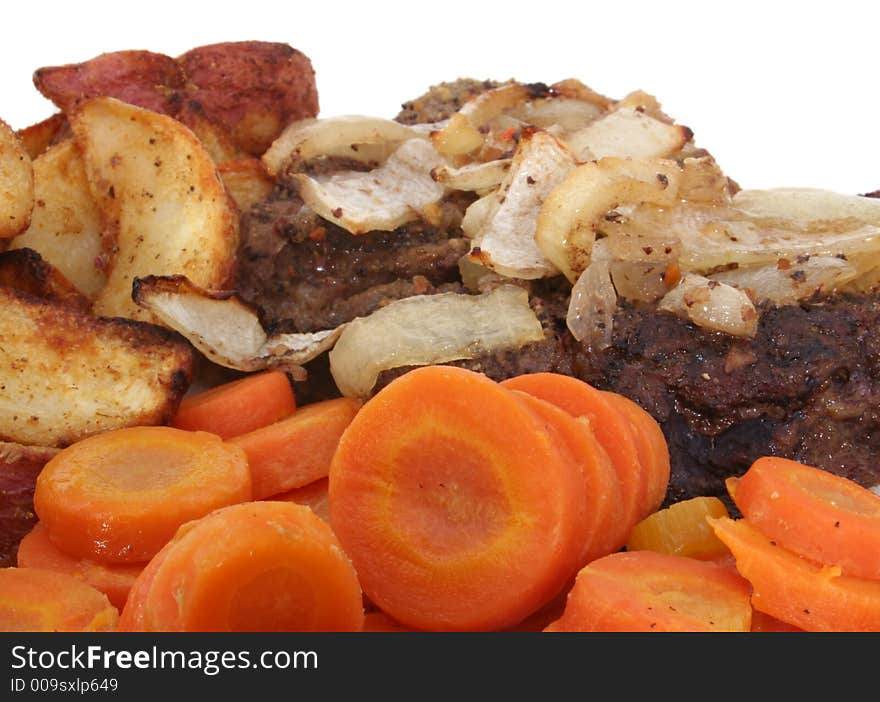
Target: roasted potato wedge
column 66, row 224
column 40, row 136
column 254, row 89
column 66, row 374
column 16, row 183
column 19, row 467
column 143, row 78
column 165, row 208
column 27, row 271
column 247, row 180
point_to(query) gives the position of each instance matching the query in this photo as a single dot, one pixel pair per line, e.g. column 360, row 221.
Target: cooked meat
column 442, row 101
column 308, row 274
column 806, row 387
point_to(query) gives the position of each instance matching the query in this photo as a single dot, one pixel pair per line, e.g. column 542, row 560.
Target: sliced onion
column 786, row 282
column 473, row 177
column 226, row 329
column 571, row 214
column 504, row 239
column 363, row 139
column 627, row 133
column 712, row 305
column 383, row 199
column 462, row 134
column 593, row 302
column 429, row 329
column 559, row 115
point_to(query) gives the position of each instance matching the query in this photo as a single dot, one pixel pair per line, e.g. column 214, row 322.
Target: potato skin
column 142, row 78
column 67, row 374
column 254, row 89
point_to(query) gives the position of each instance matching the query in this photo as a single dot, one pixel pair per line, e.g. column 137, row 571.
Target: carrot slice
column 258, row 566
column 32, row 599
column 796, row 590
column 314, row 496
column 649, row 591
column 682, row 530
column 297, row 450
column 456, row 506
column 816, row 514
column 379, row 621
column 762, row 622
column 603, row 526
column 239, row 406
column 36, row 550
column 118, row 497
column 612, row 429
column 652, row 449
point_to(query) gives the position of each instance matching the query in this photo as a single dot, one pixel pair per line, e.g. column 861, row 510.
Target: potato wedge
column 213, row 136
column 16, row 183
column 254, row 89
column 165, row 208
column 66, row 224
column 25, row 270
column 67, row 375
column 19, row 467
column 40, row 136
column 247, row 180
column 142, row 78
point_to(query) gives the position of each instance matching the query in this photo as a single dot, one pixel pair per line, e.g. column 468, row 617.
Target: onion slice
column 395, row 193
column 627, row 133
column 593, row 302
column 504, row 233
column 345, row 136
column 569, row 217
column 226, row 329
column 429, row 329
column 712, row 305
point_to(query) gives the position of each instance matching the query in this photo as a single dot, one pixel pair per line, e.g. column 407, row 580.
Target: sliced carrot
column 681, row 529
column 32, row 599
column 816, row 514
column 258, row 566
column 239, row 406
column 119, row 496
column 603, row 532
column 649, row 591
column 379, row 621
column 762, row 622
column 652, row 449
column 297, row 450
column 612, row 429
column 314, row 496
column 456, row 506
column 36, row 550
column 796, row 590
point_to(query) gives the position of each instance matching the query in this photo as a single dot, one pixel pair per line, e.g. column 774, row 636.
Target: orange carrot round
column 296, row 451
column 652, row 449
column 239, row 406
column 455, row 505
column 603, row 526
column 118, row 497
column 32, row 599
column 649, row 591
column 612, row 429
column 816, row 514
column 793, row 589
column 258, row 566
column 314, row 496
column 36, row 550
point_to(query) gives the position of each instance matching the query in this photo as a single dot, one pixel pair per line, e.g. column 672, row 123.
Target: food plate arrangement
column 520, row 357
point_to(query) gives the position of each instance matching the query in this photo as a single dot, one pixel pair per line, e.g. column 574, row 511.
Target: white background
column 781, row 93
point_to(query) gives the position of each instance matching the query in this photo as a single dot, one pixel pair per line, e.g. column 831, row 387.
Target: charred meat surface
column 308, row 274
column 806, row 387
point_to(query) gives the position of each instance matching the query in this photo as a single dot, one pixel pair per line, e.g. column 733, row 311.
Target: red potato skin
column 253, row 89
column 143, row 78
column 249, row 90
